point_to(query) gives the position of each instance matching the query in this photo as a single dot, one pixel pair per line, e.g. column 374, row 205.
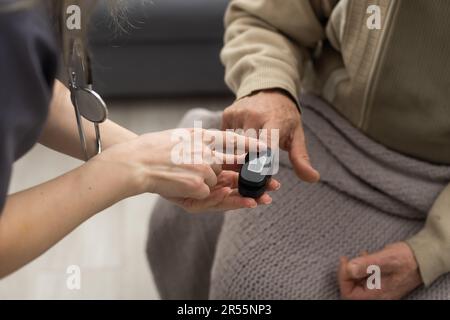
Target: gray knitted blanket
column 368, row 197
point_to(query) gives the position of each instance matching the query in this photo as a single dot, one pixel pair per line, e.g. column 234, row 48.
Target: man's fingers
column 349, row 287
column 222, row 199
column 237, row 202
column 342, row 272
column 265, row 199
column 346, row 283
column 358, row 267
column 231, row 121
column 299, row 157
column 231, row 179
column 357, row 270
column 273, row 185
column 234, row 201
column 226, row 123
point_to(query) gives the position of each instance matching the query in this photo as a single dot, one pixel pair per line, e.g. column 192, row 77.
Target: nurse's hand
column 148, row 165
column 224, row 196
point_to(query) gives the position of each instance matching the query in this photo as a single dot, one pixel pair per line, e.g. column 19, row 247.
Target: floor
column 110, row 247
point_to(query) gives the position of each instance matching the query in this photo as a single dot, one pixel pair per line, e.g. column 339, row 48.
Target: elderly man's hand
column 272, row 109
column 399, row 274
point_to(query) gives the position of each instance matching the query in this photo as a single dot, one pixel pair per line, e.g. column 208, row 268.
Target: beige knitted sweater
column 392, row 83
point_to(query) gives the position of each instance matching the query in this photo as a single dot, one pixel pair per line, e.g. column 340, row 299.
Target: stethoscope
column 87, row 103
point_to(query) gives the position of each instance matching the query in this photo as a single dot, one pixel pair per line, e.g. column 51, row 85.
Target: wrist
column 116, row 134
column 128, row 178
column 280, row 92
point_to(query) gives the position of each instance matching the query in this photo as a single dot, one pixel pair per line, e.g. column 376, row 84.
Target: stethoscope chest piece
column 87, row 103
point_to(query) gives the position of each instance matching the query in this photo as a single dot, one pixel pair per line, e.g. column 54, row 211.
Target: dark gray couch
column 170, row 47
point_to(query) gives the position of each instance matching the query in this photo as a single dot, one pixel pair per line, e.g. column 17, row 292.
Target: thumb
column 346, row 283
column 298, row 154
column 342, row 271
column 382, row 259
column 357, row 268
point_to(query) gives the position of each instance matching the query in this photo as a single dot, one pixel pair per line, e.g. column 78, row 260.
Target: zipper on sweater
column 375, row 69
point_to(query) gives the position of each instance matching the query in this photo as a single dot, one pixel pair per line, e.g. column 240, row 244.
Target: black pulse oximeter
column 255, row 174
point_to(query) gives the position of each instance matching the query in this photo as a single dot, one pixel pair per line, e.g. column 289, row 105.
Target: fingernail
column 317, row 175
column 250, row 203
column 353, row 269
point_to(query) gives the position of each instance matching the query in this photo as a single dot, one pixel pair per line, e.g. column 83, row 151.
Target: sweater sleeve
column 267, row 43
column 431, row 246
